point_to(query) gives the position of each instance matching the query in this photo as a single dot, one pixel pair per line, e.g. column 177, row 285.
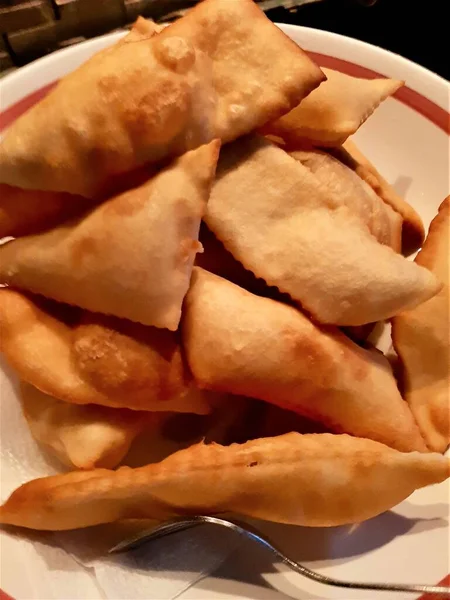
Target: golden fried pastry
column 422, row 340
column 221, row 71
column 258, row 72
column 282, row 223
column 82, row 437
column 314, row 480
column 350, row 190
column 413, row 229
column 94, row 358
column 216, row 259
column 131, row 256
column 334, row 111
column 239, row 343
column 141, row 29
column 23, row 212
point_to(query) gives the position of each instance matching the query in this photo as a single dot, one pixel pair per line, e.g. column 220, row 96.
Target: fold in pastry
column 350, row 190
column 216, row 259
column 422, row 340
column 334, row 111
column 24, row 212
column 413, row 229
column 131, row 256
column 314, row 480
column 82, row 437
column 221, row 71
column 285, row 226
column 239, row 343
column 96, row 359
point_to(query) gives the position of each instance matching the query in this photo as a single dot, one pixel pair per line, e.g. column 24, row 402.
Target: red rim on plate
column 428, row 109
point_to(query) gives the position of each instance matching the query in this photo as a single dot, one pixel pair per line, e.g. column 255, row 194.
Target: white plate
column 408, row 141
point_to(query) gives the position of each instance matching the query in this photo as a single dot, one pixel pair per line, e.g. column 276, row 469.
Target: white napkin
column 209, row 563
column 75, row 565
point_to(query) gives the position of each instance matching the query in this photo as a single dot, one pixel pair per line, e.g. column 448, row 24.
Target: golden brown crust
column 221, row 71
column 258, row 73
column 24, row 212
column 314, row 480
column 422, row 340
column 239, row 343
column 333, row 112
column 350, row 190
column 140, row 244
column 45, row 351
column 413, row 230
column 150, row 115
column 281, row 223
column 216, row 259
column 121, row 357
column 81, row 437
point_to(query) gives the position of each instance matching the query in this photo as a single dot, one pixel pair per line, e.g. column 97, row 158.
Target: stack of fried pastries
column 190, row 248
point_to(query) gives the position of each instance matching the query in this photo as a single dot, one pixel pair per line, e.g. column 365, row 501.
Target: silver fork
column 177, row 525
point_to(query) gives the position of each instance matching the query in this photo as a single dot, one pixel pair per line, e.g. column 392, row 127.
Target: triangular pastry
column 277, row 218
column 239, row 343
column 333, row 112
column 131, row 256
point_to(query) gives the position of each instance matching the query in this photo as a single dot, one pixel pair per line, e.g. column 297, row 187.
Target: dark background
column 416, row 29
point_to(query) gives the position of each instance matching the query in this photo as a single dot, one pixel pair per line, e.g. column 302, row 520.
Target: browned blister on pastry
column 24, row 211
column 315, row 480
column 259, row 73
column 140, row 102
column 333, row 112
column 283, row 224
column 82, row 437
column 240, row 343
column 350, row 190
column 95, row 359
column 131, row 256
column 422, row 340
column 413, row 232
column 218, row 72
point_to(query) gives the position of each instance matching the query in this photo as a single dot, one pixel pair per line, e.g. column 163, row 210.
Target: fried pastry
column 314, row 480
column 243, row 344
column 413, row 232
column 383, row 222
column 87, row 358
column 282, row 223
column 258, row 72
column 422, row 340
column 131, row 256
column 24, row 212
column 334, row 111
column 82, row 437
column 221, row 71
column 216, row 259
